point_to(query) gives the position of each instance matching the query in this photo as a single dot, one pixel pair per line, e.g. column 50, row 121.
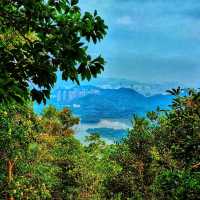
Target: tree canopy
column 38, row 38
column 158, row 159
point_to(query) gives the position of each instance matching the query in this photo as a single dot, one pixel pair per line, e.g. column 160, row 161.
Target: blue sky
column 150, row 40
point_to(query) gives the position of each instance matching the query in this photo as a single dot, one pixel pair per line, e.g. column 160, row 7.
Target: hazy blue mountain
column 147, row 89
column 92, row 103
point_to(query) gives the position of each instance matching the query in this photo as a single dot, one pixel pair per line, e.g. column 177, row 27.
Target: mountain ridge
column 92, row 103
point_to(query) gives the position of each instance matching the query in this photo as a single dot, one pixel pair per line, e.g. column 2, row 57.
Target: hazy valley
column 107, row 106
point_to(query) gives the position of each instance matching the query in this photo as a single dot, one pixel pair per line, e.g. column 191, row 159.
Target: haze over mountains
column 147, row 89
column 103, row 103
column 93, row 103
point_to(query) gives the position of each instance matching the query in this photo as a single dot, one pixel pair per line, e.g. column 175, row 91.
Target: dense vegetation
column 159, row 159
column 40, row 37
column 39, row 155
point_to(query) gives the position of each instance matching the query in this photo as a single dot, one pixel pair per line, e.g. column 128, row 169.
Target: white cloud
column 112, row 124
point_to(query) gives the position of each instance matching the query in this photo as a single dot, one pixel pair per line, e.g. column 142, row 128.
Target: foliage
column 39, row 155
column 134, row 156
column 58, row 122
column 176, row 184
column 82, row 169
column 38, row 38
column 47, row 162
column 159, row 159
column 23, row 175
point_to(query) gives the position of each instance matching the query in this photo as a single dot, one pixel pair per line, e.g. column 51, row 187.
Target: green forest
column 40, row 158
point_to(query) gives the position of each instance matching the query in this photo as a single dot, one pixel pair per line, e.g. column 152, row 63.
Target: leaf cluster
column 38, row 38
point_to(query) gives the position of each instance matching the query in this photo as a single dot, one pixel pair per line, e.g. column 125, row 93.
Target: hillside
column 93, row 103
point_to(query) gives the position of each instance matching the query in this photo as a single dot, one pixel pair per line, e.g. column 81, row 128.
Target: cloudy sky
column 150, row 40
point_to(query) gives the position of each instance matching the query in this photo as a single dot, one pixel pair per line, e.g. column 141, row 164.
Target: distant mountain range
column 147, row 89
column 107, row 105
column 93, row 103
